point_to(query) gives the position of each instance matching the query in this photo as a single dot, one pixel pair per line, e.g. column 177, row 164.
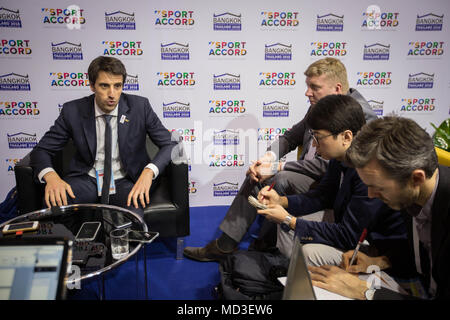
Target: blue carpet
column 168, row 278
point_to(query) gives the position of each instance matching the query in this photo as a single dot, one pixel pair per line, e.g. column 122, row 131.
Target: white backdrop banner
column 226, row 75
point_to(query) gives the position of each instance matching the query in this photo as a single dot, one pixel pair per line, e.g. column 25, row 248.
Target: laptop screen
column 32, row 270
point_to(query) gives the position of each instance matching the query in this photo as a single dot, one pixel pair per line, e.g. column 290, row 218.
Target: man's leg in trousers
column 238, row 219
column 241, row 214
column 123, row 188
column 286, row 183
column 84, row 188
column 317, row 254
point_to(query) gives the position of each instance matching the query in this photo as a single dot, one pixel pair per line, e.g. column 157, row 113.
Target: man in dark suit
column 109, row 130
column 397, row 161
column 323, row 77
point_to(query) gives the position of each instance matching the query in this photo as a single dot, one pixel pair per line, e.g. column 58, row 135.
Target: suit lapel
column 123, row 126
column 88, row 113
column 307, row 137
column 440, row 212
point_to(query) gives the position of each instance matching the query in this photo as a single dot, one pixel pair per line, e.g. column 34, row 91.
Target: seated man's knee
column 319, row 254
column 281, row 180
column 312, row 256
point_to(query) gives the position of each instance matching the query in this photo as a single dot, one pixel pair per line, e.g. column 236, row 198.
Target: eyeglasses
column 316, row 139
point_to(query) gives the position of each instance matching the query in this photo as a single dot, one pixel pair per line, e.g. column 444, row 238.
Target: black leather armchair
column 168, row 212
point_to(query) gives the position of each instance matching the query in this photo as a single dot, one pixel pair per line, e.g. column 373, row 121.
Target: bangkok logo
column 278, row 51
column 14, row 82
column 131, row 83
column 176, row 110
column 225, row 189
column 330, row 22
column 376, row 51
column 276, row 109
column 67, row 51
column 227, row 81
column 174, row 51
column 22, row 140
column 120, row 20
column 377, row 107
column 10, row 18
column 420, row 80
column 226, row 137
column 227, row 22
column 429, row 22
column 328, row 49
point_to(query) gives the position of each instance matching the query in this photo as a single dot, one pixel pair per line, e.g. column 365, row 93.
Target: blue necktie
column 107, row 161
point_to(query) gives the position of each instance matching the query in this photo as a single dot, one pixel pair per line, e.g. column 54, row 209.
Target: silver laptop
column 298, row 283
column 33, row 268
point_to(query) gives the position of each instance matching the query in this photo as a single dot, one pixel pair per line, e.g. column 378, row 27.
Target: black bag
column 252, row 275
column 8, row 208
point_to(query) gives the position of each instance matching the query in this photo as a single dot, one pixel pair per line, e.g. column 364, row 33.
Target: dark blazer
column 77, row 122
column 353, row 211
column 440, row 241
column 299, row 135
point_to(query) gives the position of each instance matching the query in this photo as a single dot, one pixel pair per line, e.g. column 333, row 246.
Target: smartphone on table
column 88, row 231
column 22, row 226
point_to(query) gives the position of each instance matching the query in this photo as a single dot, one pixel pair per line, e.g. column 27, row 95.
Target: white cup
column 119, row 243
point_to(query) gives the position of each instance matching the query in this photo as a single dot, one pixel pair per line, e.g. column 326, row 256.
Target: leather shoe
column 210, row 252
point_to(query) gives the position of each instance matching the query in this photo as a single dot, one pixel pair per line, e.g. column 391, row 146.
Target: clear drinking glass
column 119, row 243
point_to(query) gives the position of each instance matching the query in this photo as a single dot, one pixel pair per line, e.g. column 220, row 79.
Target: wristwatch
column 286, row 224
column 369, row 293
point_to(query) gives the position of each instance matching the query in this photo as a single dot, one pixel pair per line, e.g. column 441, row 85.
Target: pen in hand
column 355, row 252
column 270, row 188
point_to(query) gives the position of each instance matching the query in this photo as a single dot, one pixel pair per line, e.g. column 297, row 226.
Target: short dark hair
column 399, row 145
column 106, row 64
column 336, row 113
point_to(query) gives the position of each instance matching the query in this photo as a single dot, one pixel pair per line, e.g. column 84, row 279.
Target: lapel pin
column 123, row 118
